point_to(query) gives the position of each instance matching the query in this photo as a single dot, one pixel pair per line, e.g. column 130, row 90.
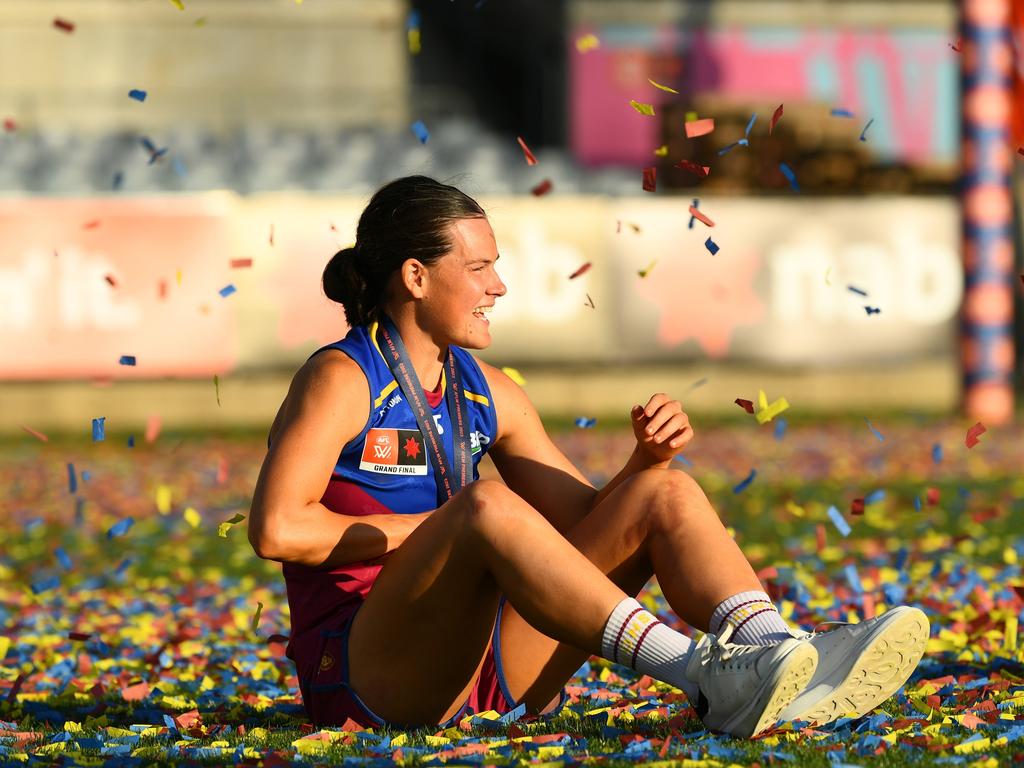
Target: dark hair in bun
column 405, row 219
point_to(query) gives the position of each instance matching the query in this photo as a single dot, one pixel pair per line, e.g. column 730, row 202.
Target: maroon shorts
column 330, row 701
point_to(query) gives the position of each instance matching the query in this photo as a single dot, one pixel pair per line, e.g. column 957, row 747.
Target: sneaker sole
column 880, row 670
column 789, row 680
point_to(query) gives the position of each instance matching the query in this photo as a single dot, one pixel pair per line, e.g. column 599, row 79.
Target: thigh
column 613, row 537
column 418, row 641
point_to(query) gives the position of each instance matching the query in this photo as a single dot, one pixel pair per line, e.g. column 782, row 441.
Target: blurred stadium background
column 125, row 225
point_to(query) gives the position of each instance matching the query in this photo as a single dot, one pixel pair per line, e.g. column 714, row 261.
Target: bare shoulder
column 330, row 385
column 511, row 404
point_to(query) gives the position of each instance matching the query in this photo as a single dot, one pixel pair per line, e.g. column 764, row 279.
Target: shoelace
column 720, row 647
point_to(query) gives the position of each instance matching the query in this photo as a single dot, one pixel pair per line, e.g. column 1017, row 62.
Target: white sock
column 635, row 638
column 754, row 618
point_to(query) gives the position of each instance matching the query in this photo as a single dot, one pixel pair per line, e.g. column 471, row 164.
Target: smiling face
column 461, row 287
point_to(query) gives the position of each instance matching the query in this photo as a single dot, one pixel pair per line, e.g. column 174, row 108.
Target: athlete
column 420, row 593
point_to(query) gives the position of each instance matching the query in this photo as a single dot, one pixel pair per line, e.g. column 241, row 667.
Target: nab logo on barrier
column 394, row 452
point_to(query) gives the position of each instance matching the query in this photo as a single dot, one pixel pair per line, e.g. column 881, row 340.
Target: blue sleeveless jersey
column 388, row 458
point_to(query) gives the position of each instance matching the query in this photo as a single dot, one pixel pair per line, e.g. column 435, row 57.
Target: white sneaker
column 860, row 665
column 743, row 688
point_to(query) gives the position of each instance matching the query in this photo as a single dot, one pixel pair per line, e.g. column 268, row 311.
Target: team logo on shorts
column 394, row 452
column 326, row 662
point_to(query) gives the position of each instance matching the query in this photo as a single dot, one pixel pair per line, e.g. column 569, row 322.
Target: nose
column 499, row 289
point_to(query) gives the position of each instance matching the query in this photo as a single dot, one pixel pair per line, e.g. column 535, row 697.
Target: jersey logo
column 394, row 452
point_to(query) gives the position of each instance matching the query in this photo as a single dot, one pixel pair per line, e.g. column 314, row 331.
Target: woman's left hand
column 661, row 427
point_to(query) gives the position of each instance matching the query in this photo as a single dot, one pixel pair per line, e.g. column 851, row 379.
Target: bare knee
column 671, row 498
column 487, row 506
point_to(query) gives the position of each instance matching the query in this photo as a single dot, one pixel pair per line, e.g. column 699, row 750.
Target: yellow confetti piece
column 587, row 43
column 191, row 517
column 5, row 645
column 794, row 509
column 178, row 4
column 662, row 87
column 972, row 746
column 690, row 116
column 414, row 41
column 200, row 22
column 72, row 727
column 1010, row 556
column 223, row 528
column 1010, row 635
column 515, row 375
column 216, row 387
column 662, row 150
column 646, row 270
column 766, row 412
column 177, row 276
column 163, row 499
column 400, row 740
column 256, row 618
column 643, row 109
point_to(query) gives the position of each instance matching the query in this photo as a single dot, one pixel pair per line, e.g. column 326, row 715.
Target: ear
column 415, row 278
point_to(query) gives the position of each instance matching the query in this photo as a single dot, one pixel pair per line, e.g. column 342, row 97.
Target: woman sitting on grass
column 420, row 593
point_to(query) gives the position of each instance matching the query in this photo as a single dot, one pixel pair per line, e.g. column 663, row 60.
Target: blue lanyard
column 448, row 482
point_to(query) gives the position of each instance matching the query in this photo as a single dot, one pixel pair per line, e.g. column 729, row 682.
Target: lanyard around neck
column 448, row 482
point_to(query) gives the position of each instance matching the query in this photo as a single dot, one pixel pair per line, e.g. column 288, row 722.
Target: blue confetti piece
column 31, row 524
column 856, row 290
column 72, row 479
column 871, row 310
column 780, row 427
column 513, row 715
column 875, row 432
column 227, row 290
column 874, row 497
column 154, row 153
column 45, row 585
column 420, row 131
column 750, row 124
column 745, row 483
column 79, row 511
column 131, row 441
column 937, row 453
column 120, row 527
column 863, row 133
column 842, row 113
column 894, row 594
column 901, row 558
column 413, row 22
column 137, row 94
column 63, row 559
column 724, row 150
column 853, row 578
column 710, row 245
column 683, row 460
column 788, row 173
column 118, row 181
column 86, row 474
column 99, row 429
column 839, row 521
column 696, row 204
column 123, row 565
column 584, row 423
column 917, row 503
column 127, row 360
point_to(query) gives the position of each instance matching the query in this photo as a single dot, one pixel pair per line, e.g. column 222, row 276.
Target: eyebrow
column 485, row 261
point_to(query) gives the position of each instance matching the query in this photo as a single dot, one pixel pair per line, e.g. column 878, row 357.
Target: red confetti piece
column 63, row 25
column 240, row 263
column 701, row 217
column 775, row 119
column 650, row 179
column 819, row 532
column 110, row 280
column 869, row 606
column 542, row 189
column 161, row 289
column 695, row 128
column 746, row 405
column 152, row 428
column 958, row 46
column 136, row 692
column 932, row 496
column 91, row 224
column 530, row 159
column 10, row 125
column 79, row 635
column 700, row 171
column 973, row 433
column 580, row 271
column 857, row 507
column 38, row 435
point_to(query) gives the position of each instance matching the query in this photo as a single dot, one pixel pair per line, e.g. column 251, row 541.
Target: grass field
column 139, row 643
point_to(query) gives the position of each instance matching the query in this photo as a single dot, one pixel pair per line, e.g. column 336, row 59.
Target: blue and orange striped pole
column 987, row 345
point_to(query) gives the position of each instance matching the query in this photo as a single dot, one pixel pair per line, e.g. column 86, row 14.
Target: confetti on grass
column 839, row 521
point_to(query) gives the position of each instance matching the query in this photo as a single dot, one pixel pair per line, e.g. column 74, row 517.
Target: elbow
column 265, row 545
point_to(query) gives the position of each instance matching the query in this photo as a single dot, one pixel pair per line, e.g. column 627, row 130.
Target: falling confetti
column 137, row 94
column 542, row 189
column 695, row 128
column 973, row 434
column 530, row 159
column 710, row 245
column 420, row 131
column 643, row 109
column 650, row 179
column 662, row 87
column 515, row 375
column 587, row 43
column 776, row 115
column 582, row 270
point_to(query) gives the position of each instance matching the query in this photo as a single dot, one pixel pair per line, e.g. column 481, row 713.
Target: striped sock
column 754, row 619
column 634, row 637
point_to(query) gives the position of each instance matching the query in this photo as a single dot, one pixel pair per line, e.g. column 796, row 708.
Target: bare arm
column 326, row 406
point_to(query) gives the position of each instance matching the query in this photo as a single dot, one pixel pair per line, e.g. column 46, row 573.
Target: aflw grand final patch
column 394, row 452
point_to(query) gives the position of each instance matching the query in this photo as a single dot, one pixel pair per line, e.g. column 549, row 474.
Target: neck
column 427, row 356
